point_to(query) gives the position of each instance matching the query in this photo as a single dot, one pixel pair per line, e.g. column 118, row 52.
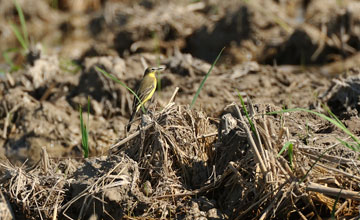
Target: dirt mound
column 174, row 166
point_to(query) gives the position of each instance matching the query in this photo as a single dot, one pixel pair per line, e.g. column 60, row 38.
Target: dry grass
column 163, row 169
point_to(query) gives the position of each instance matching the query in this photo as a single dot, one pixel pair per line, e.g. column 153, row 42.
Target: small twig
column 143, row 62
column 37, row 206
column 339, row 171
column 240, row 216
column 88, row 191
column 272, row 204
column 341, row 208
column 311, row 152
column 284, row 194
column 207, row 135
column 130, row 137
column 175, row 195
column 252, row 142
column 202, row 189
column 56, row 207
column 321, row 42
column 6, row 212
column 47, row 93
column 44, row 160
column 7, row 119
column 173, row 95
column 343, row 193
column 235, row 170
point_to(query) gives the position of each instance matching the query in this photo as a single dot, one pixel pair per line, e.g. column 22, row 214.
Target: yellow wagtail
column 145, row 91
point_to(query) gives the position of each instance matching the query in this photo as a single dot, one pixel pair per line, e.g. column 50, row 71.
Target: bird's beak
column 161, row 68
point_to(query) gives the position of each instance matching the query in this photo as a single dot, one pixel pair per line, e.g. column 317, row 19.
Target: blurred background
column 276, row 32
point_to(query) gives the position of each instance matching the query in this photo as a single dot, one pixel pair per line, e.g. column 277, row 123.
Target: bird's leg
column 142, row 138
column 151, row 114
column 145, row 120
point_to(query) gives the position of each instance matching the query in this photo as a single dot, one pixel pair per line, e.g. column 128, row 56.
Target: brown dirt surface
column 289, row 151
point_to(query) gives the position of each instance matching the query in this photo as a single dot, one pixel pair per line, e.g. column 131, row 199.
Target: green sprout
column 85, row 131
column 203, row 81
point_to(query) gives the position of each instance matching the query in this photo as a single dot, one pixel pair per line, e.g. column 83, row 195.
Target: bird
column 145, row 91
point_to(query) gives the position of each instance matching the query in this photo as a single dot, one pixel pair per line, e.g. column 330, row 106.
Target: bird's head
column 153, row 70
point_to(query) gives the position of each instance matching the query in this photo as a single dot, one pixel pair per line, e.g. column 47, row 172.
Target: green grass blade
column 326, row 108
column 252, row 126
column 286, row 146
column 122, row 84
column 289, row 146
column 87, row 128
column 85, row 142
column 346, row 144
column 55, row 4
column 203, row 81
column 84, row 135
column 334, row 206
column 7, row 59
column 291, row 154
column 312, row 166
column 22, row 22
column 331, row 120
column 18, row 35
column 69, row 66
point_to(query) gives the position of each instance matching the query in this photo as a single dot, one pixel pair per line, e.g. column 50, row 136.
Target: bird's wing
column 147, row 85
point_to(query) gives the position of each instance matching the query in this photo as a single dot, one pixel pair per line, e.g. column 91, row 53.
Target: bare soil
column 178, row 162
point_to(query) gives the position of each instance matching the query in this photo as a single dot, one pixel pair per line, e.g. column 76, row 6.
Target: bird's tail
column 130, row 120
